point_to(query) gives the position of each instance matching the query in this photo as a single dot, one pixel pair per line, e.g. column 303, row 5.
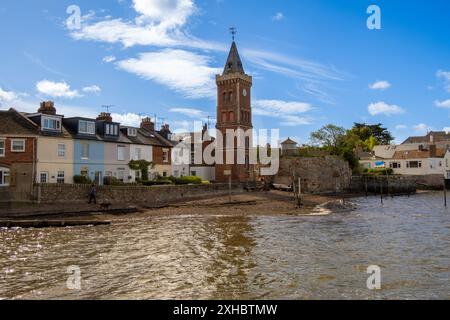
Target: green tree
column 141, row 165
column 328, row 136
column 365, row 131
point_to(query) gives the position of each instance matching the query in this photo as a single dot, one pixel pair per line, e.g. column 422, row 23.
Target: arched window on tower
column 224, row 96
column 230, row 96
column 224, row 117
column 231, row 116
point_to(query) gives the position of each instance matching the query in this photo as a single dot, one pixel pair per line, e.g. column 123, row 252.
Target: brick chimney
column 104, row 116
column 148, row 124
column 47, row 107
column 433, row 151
column 165, row 131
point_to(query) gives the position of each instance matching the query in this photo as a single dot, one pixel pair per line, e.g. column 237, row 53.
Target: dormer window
column 111, row 129
column 51, row 124
column 132, row 132
column 86, row 127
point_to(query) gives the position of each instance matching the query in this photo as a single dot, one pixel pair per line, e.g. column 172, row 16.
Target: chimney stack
column 431, row 138
column 47, row 107
column 433, row 151
column 104, row 116
column 165, row 131
column 148, row 124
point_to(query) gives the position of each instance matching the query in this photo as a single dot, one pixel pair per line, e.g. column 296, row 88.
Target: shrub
column 78, row 179
column 378, row 172
column 160, row 182
column 112, row 181
column 187, row 180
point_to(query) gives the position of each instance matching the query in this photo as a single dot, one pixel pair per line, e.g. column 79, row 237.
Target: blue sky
column 313, row 61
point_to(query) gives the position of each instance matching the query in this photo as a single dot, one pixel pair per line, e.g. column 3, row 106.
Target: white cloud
column 422, row 128
column 159, row 23
column 442, row 104
column 445, row 75
column 384, row 108
column 293, row 121
column 192, row 113
column 287, row 112
column 168, row 13
column 293, row 67
column 128, row 119
column 7, row 96
column 278, row 16
column 401, row 127
column 380, row 85
column 109, row 59
column 92, row 89
column 281, row 107
column 56, row 89
column 183, row 71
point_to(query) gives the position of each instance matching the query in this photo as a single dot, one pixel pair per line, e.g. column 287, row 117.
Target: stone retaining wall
column 384, row 184
column 151, row 196
column 318, row 175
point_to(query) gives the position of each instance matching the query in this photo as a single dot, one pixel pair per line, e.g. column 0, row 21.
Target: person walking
column 93, row 194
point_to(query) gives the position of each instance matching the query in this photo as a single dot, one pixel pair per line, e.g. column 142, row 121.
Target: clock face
column 244, row 93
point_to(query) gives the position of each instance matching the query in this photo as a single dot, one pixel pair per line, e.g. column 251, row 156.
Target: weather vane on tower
column 233, row 32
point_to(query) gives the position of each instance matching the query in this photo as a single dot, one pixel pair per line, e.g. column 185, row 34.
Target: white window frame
column 138, row 154
column 166, row 155
column 56, row 122
column 61, row 151
column 17, row 140
column 120, row 155
column 61, row 175
column 84, row 144
column 121, row 174
column 89, row 125
column 132, row 132
column 6, row 172
column 3, row 149
column 47, row 177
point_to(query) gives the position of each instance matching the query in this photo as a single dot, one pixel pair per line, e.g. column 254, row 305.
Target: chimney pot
column 148, row 124
column 104, row 116
column 47, row 107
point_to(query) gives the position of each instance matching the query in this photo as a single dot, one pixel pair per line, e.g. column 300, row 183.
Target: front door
column 98, row 178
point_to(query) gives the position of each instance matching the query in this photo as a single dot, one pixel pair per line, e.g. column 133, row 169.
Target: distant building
column 425, row 156
column 186, row 164
column 289, row 148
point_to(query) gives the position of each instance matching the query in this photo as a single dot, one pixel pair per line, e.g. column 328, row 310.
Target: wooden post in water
column 299, row 200
column 445, row 194
column 365, row 183
column 381, row 190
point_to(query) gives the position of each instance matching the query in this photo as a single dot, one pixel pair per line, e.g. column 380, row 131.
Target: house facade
column 18, row 144
column 54, row 161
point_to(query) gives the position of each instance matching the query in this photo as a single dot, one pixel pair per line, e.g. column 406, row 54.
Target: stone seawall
column 318, row 175
column 151, row 196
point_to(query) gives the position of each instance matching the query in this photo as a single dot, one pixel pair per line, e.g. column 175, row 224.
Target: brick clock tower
column 234, row 112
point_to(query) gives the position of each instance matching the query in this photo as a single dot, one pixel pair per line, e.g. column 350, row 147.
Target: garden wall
column 151, row 196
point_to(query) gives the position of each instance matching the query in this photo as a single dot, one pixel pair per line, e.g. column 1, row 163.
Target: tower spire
column 234, row 62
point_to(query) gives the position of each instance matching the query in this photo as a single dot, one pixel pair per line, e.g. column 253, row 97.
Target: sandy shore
column 271, row 203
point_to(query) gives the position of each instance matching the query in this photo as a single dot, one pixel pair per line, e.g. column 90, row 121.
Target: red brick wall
column 158, row 155
column 18, row 157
